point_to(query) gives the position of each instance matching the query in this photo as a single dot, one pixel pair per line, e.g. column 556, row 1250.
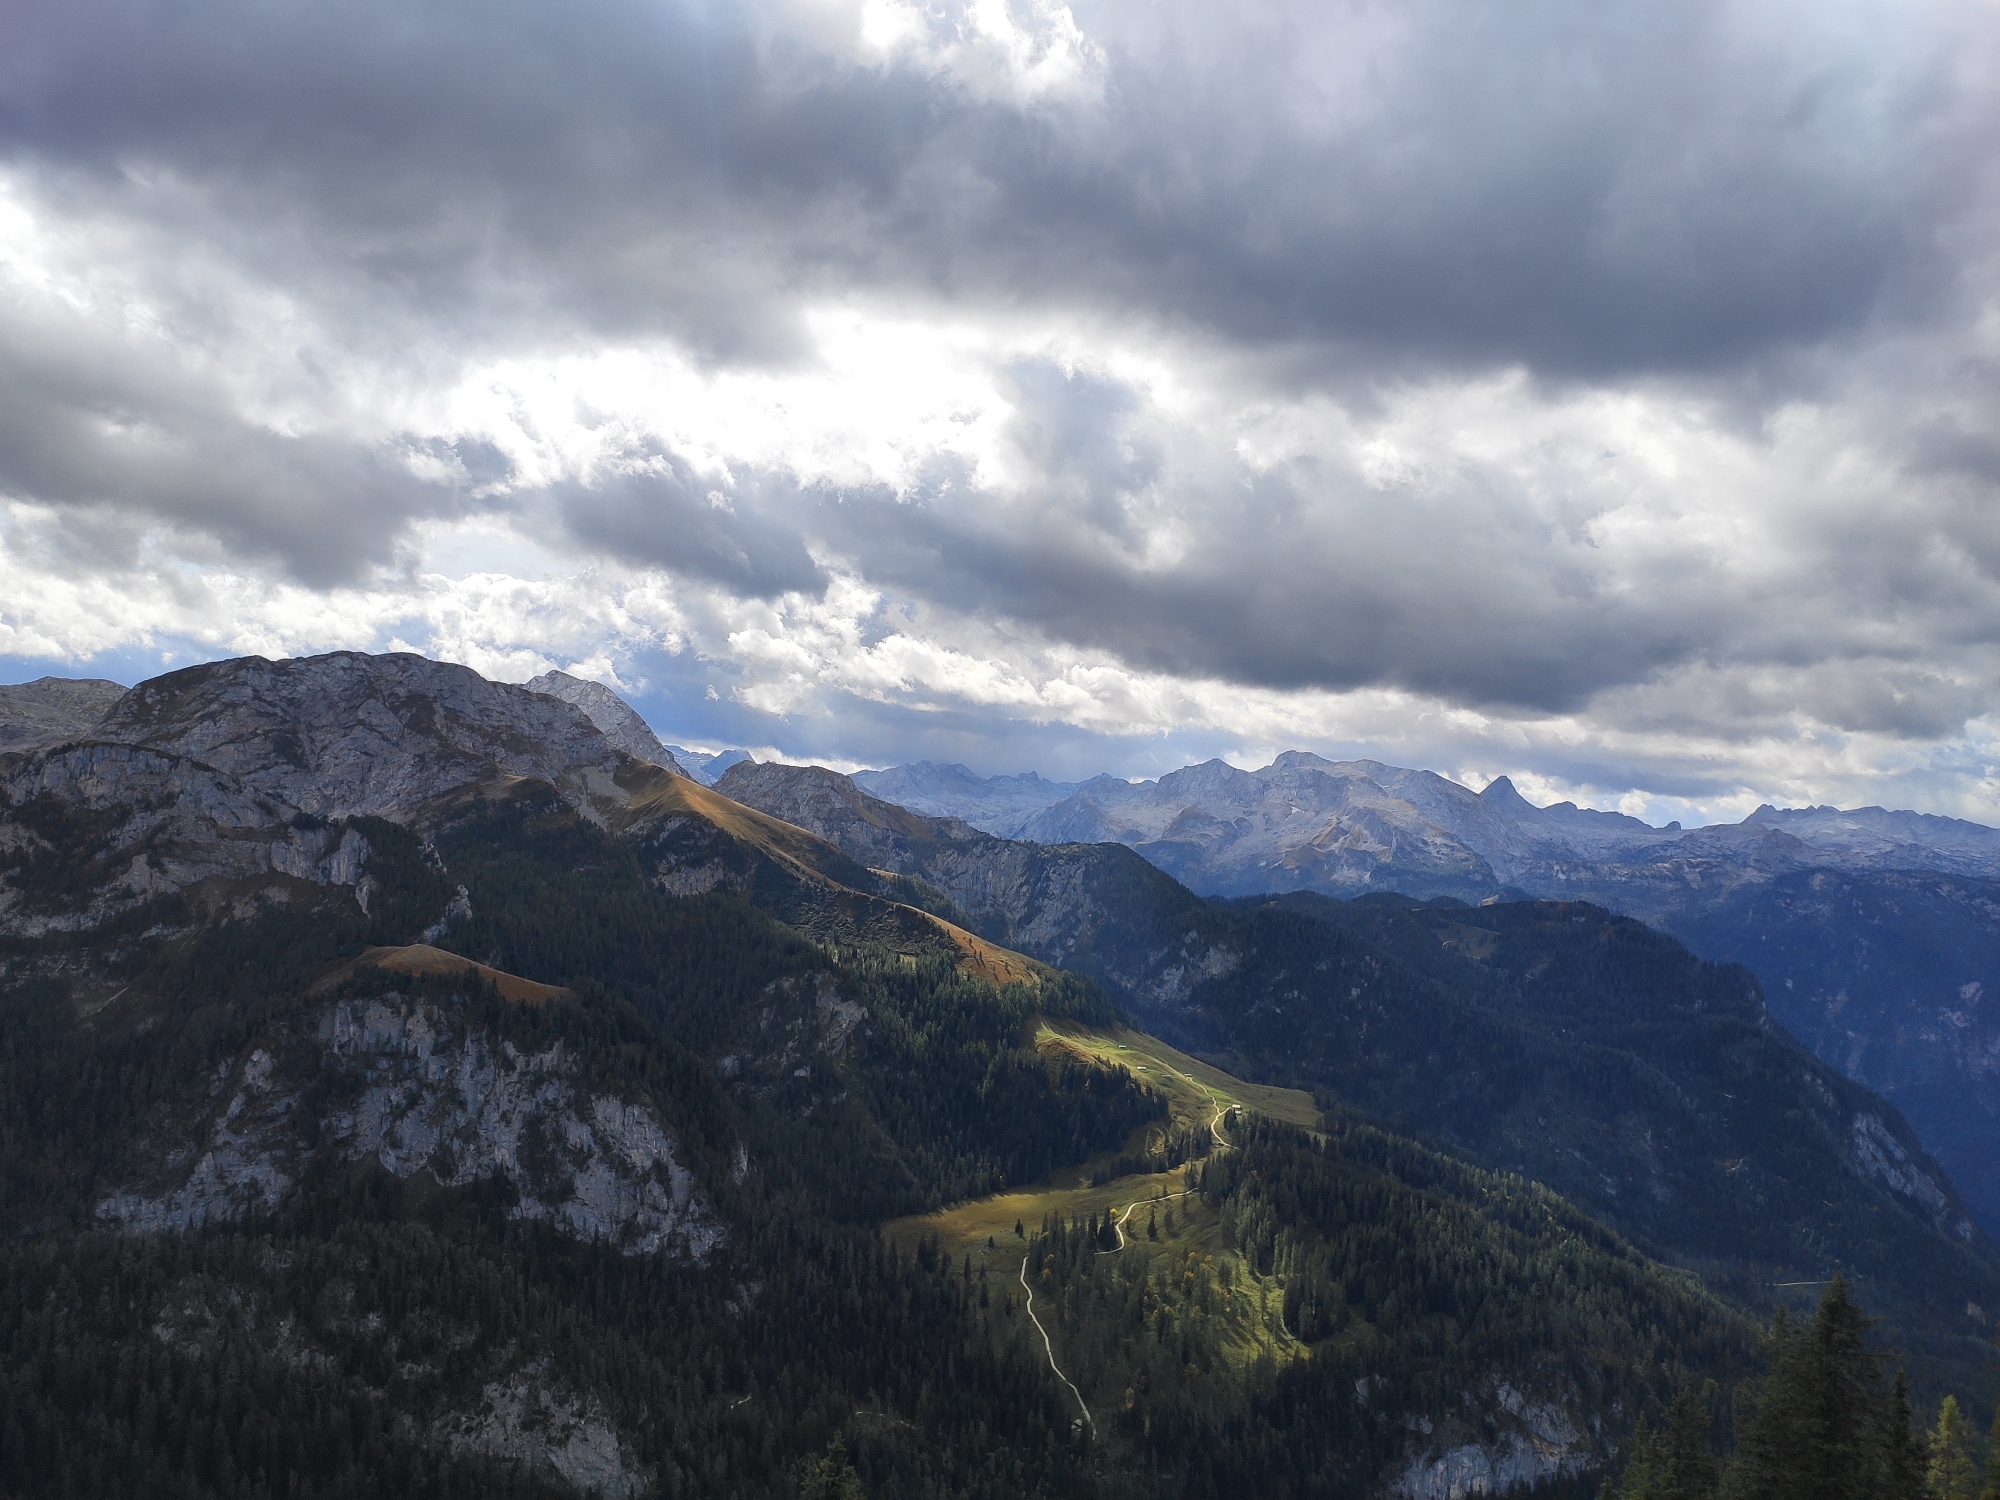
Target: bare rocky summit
column 50, row 710
column 352, row 734
column 615, row 719
column 231, row 771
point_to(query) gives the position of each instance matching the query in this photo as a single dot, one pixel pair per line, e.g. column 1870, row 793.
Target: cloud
column 1583, row 191
column 726, row 529
column 1608, row 388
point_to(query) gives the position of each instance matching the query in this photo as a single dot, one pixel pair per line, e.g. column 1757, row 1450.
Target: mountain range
column 419, row 1084
column 1872, row 932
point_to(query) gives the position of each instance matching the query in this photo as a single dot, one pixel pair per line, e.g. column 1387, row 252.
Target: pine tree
column 831, row 1477
column 1952, row 1475
column 1812, row 1432
column 1903, row 1452
column 1992, row 1489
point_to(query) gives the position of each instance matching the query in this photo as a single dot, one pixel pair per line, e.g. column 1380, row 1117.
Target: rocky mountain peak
column 1502, row 797
column 349, row 733
column 615, row 719
column 50, row 710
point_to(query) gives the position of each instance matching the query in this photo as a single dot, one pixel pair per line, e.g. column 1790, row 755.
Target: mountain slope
column 1892, row 978
column 1689, row 1122
column 402, row 1087
column 1889, row 1013
column 1098, row 909
column 544, row 1224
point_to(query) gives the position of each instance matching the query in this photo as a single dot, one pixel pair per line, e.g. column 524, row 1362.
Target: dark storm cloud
column 1302, row 576
column 98, row 428
column 1738, row 199
column 732, row 532
column 1584, row 189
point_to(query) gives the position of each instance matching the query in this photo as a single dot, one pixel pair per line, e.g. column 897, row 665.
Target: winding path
column 1221, row 1140
column 1052, row 1349
column 1118, row 1224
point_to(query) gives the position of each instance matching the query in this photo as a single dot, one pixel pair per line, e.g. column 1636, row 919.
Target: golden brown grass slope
column 421, row 959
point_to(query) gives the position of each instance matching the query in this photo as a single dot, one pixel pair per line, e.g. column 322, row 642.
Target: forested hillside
column 595, row 1133
column 1551, row 1039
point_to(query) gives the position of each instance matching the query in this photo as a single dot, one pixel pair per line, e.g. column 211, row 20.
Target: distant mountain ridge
column 1617, row 1078
column 1890, row 982
column 992, row 804
column 1345, row 827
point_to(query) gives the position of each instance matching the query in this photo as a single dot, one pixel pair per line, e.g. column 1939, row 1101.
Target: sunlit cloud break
column 1041, row 386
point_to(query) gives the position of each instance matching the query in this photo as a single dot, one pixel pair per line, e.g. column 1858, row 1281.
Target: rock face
column 229, row 771
column 426, row 1092
column 89, row 830
column 531, row 1422
column 347, row 733
column 50, row 710
column 1535, row 1443
column 615, row 719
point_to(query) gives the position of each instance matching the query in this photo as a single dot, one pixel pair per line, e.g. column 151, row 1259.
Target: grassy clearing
column 981, row 1233
column 1194, row 1090
column 422, row 959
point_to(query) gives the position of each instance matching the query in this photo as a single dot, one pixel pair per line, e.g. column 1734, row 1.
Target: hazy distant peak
column 1500, row 793
column 994, row 804
column 708, row 766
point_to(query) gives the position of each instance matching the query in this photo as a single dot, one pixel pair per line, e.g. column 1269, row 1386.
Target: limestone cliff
column 423, row 1089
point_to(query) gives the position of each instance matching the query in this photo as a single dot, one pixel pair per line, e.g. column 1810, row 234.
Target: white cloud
column 1174, row 382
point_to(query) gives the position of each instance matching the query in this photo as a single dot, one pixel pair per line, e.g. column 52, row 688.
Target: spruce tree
column 1674, row 1461
column 1903, row 1456
column 1952, row 1474
column 1812, row 1430
column 831, row 1477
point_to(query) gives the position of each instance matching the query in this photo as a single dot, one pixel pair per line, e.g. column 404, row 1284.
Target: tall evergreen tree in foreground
column 1822, row 1425
column 1675, row 1462
column 1952, row 1474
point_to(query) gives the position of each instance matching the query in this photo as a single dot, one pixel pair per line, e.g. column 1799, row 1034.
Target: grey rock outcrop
column 1525, row 1444
column 427, row 1093
column 615, row 719
column 93, row 829
column 528, row 1420
column 348, row 733
column 50, row 710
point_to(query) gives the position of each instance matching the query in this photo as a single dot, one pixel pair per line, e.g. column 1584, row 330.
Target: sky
column 1606, row 395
